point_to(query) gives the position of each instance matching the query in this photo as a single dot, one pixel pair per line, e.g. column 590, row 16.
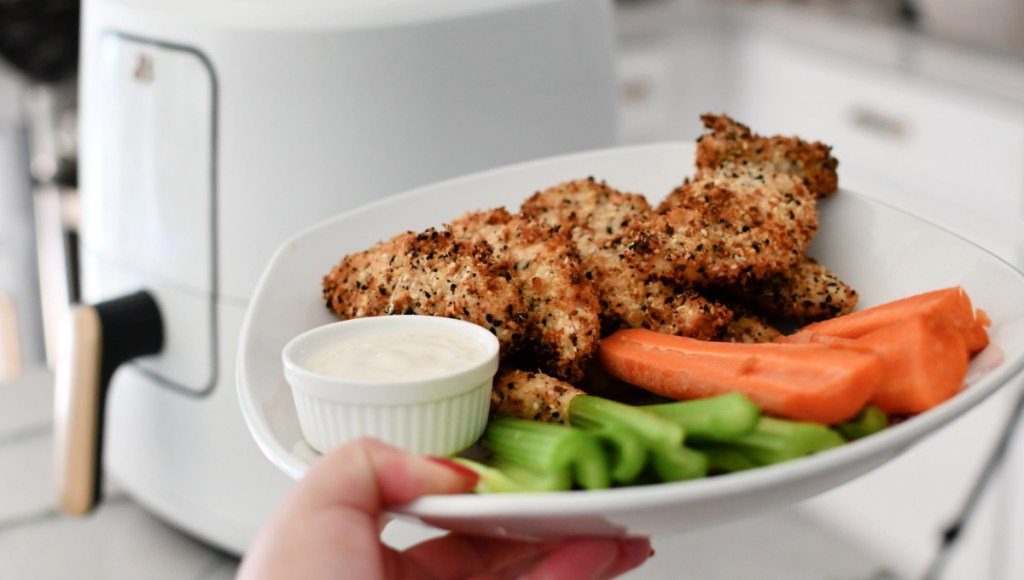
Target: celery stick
column 720, row 418
column 560, row 480
column 678, row 463
column 549, row 449
column 725, row 459
column 513, row 478
column 628, row 431
column 590, row 464
column 597, row 413
column 543, row 446
column 627, row 453
column 777, row 440
column 774, row 440
column 869, row 421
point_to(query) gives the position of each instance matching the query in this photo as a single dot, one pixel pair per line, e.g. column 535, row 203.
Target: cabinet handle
column 878, row 123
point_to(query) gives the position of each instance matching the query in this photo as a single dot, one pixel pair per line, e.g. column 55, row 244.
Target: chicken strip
column 749, row 328
column 727, row 141
column 750, row 211
column 534, row 396
column 562, row 322
column 430, row 273
column 730, row 226
column 607, row 227
column 806, row 293
column 787, row 170
column 591, row 211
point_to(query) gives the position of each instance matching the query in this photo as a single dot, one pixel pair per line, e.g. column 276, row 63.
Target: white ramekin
column 432, row 415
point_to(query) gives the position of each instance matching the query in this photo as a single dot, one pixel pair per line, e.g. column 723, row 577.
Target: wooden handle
column 78, row 401
column 95, row 341
column 10, row 341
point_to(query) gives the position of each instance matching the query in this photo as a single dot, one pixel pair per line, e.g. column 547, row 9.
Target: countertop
column 121, row 540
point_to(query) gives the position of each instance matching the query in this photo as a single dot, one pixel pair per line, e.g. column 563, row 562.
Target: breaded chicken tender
column 590, row 210
column 530, row 395
column 749, row 328
column 562, row 321
column 604, row 222
column 722, row 257
column 727, row 141
column 729, row 226
column 790, row 174
column 431, row 273
column 806, row 293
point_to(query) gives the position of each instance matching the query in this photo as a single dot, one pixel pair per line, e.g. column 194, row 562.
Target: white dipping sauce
column 384, row 355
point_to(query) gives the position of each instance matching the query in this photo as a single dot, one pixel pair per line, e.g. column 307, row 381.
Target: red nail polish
column 471, row 477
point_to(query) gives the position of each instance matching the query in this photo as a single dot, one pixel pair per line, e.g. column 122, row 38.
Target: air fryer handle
column 95, row 341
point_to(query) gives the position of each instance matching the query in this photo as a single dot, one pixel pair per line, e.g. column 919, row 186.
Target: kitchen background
column 924, row 104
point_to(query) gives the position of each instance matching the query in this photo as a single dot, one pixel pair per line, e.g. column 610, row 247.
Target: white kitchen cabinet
column 954, row 156
column 21, row 340
column 671, row 55
column 950, row 154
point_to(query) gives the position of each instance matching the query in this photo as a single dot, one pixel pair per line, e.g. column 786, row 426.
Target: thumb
column 370, row 476
column 329, row 521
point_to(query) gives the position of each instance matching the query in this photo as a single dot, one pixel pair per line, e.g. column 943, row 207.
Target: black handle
column 95, row 341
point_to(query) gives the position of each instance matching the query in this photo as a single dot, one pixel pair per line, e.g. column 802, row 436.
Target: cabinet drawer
column 945, row 142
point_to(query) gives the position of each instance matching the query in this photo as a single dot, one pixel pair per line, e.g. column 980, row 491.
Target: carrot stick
column 951, row 304
column 813, row 337
column 808, row 382
column 925, row 363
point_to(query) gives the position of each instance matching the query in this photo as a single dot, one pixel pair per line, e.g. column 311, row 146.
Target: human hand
column 329, row 527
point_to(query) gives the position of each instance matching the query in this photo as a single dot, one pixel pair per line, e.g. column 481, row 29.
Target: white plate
column 883, row 253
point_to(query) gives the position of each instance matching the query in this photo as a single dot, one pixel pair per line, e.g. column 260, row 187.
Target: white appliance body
column 21, row 337
column 212, row 131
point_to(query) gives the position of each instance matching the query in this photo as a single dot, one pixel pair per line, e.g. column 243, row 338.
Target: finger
column 332, row 516
column 369, row 476
column 581, row 559
column 460, row 556
column 632, row 553
column 457, row 556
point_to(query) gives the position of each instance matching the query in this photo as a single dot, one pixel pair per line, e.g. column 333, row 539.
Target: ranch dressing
column 396, row 356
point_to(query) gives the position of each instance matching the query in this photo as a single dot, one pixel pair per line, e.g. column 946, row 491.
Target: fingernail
column 468, row 475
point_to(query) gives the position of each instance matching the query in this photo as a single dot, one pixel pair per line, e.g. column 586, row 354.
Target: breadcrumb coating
column 806, row 293
column 530, row 395
column 608, row 227
column 431, row 273
column 749, row 329
column 727, row 141
column 562, row 322
column 730, row 225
